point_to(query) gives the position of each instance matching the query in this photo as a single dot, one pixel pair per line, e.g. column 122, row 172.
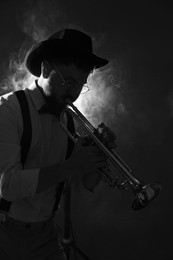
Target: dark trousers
column 37, row 241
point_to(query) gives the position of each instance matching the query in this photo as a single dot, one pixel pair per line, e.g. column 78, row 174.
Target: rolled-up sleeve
column 15, row 182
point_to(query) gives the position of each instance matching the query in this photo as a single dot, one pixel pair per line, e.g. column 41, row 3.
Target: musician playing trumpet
column 62, row 64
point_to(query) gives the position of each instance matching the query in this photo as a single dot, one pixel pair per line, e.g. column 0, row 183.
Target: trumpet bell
column 145, row 195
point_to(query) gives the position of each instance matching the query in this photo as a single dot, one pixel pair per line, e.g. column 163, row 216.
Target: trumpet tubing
column 143, row 193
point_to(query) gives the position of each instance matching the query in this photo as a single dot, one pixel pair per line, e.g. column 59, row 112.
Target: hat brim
column 47, row 49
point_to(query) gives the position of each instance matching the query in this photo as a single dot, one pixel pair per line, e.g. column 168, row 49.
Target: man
column 62, row 64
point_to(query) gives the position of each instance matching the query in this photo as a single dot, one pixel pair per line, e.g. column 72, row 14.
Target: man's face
column 66, row 82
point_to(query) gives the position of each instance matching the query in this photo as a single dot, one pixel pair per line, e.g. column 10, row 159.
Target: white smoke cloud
column 17, row 76
column 104, row 101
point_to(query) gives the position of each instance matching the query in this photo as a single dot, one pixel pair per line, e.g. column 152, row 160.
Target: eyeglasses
column 85, row 87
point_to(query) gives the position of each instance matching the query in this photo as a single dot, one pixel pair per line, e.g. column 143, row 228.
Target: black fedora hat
column 66, row 42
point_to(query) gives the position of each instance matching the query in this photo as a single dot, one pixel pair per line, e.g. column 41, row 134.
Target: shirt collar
column 40, row 101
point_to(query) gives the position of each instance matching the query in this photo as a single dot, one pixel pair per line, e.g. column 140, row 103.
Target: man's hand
column 86, row 159
column 106, row 135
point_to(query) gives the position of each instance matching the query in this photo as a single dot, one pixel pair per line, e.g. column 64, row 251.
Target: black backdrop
column 138, row 36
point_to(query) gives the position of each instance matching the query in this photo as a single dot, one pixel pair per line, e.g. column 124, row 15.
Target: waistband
column 7, row 219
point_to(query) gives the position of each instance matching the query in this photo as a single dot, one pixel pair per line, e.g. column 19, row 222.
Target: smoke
column 44, row 18
column 37, row 23
column 17, row 76
column 104, row 100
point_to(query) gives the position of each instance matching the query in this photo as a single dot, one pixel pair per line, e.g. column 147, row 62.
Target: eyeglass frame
column 64, row 81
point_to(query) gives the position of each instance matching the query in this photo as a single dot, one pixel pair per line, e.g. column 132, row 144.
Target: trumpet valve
column 123, row 185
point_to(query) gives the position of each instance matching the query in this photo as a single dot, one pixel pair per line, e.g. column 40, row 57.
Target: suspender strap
column 71, row 129
column 27, row 128
column 25, row 140
column 25, row 144
column 60, row 188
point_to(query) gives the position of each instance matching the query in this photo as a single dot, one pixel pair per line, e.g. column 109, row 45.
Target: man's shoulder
column 10, row 98
column 9, row 104
column 6, row 97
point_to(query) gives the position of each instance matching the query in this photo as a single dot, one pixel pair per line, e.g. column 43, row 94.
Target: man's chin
column 66, row 98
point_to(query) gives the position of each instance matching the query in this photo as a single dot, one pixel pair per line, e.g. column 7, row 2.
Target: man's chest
column 49, row 142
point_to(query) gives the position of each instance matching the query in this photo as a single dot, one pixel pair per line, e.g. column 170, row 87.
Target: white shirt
column 48, row 146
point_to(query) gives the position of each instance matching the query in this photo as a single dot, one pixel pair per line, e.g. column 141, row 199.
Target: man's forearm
column 50, row 176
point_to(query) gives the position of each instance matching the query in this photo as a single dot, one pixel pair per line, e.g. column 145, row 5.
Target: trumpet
column 144, row 193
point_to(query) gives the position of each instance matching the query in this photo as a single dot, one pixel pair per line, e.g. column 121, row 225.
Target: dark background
column 137, row 38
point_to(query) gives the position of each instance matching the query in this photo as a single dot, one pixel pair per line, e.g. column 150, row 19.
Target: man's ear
column 46, row 68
